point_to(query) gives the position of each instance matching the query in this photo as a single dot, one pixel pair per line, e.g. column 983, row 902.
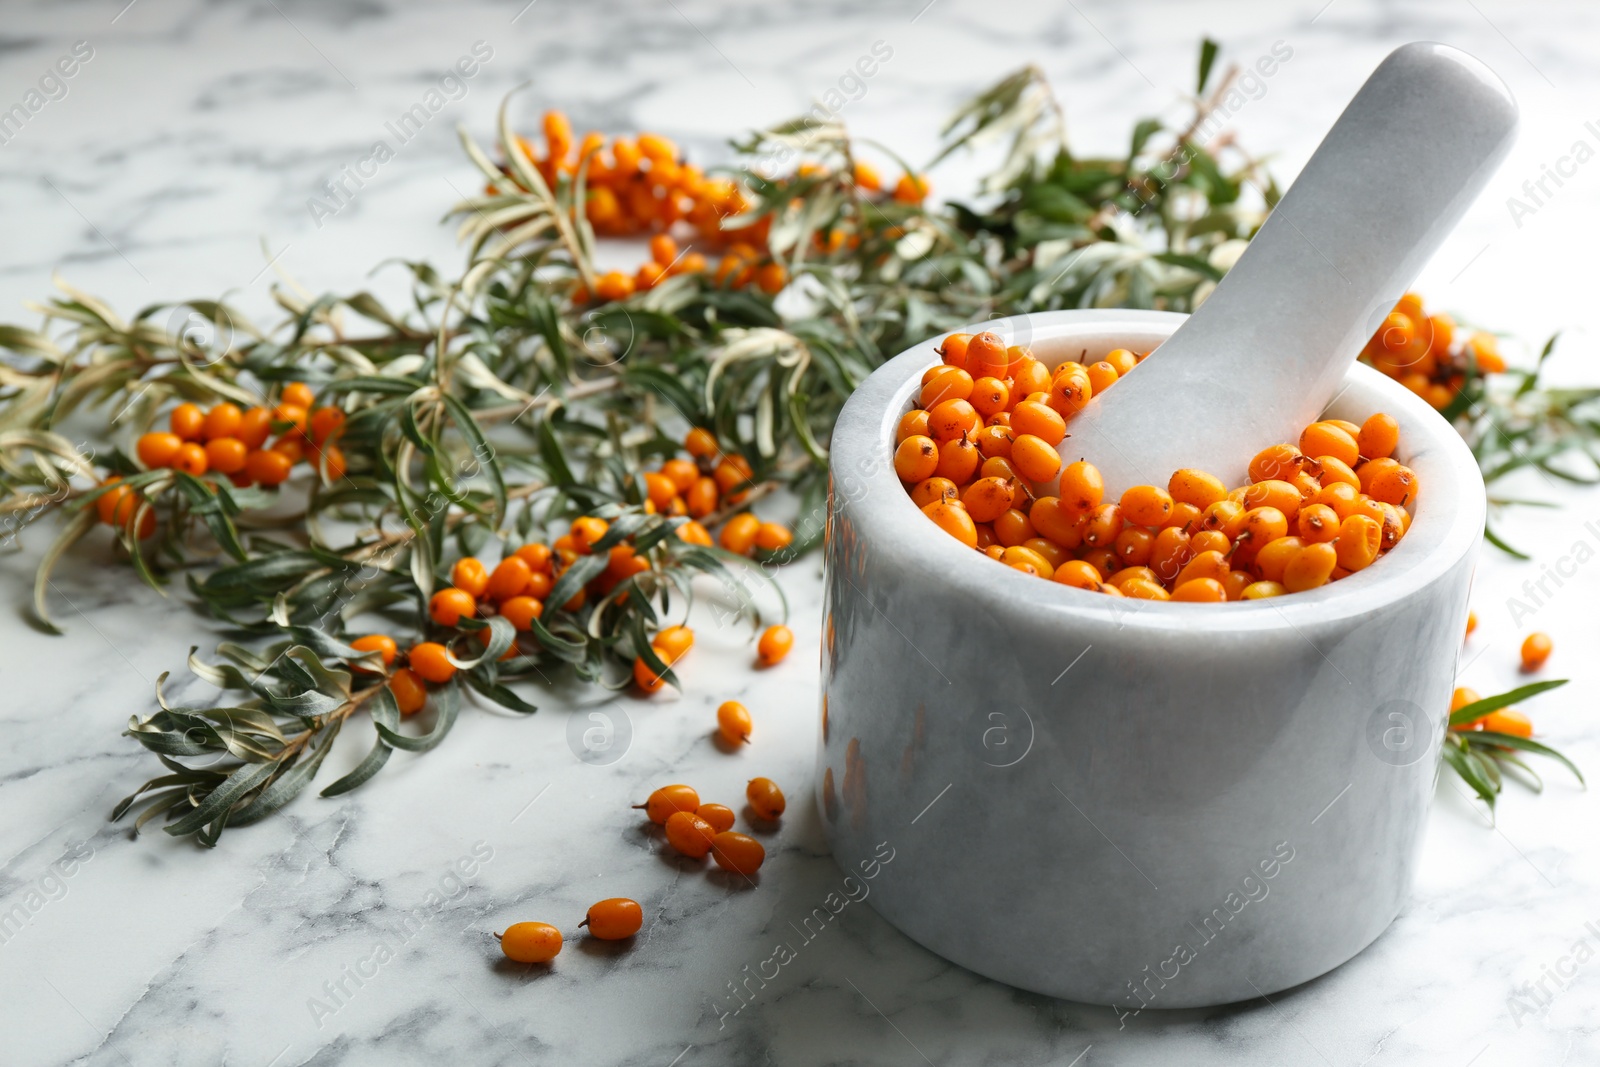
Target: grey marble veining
column 198, row 132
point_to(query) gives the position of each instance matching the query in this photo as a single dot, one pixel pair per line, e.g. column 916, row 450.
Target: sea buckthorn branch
column 1486, row 735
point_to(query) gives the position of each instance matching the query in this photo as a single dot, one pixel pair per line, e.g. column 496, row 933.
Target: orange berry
column 1196, row 487
column 187, row 421
column 989, row 396
column 1395, row 485
column 267, row 467
column 1536, row 649
column 953, row 519
column 291, row 444
column 1034, row 458
column 1379, row 436
column 659, row 489
column 669, row 798
column 1040, row 420
column 614, row 919
column 911, row 189
column 469, row 575
column 988, row 498
column 771, row 278
column 765, row 798
column 1326, row 439
column 409, row 693
column 1472, row 622
column 158, row 449
column 932, row 489
column 690, row 834
column 1146, row 505
column 531, row 942
column 326, row 424
column 773, row 537
column 190, row 459
column 695, row 534
column 221, row 421
column 739, row 533
column 952, row 418
column 733, row 722
column 297, row 393
column 702, row 498
column 1310, row 567
column 774, row 645
column 1317, row 523
column 1078, row 574
column 1201, row 591
column 1279, row 462
column 645, row 677
column 954, row 349
column 1507, row 721
column 225, row 455
column 431, row 661
column 1360, row 539
column 720, row 816
column 1082, row 488
column 117, row 504
column 254, row 427
column 380, row 643
column 987, row 356
column 510, row 578
column 1102, row 376
column 447, row 606
column 916, row 459
column 673, row 642
column 520, row 611
column 739, row 853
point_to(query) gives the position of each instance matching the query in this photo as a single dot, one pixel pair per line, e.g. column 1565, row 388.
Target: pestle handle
column 1267, row 351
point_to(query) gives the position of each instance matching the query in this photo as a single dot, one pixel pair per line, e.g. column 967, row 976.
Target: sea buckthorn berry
column 1142, row 589
column 1213, row 565
column 1104, row 524
column 690, row 834
column 1122, row 359
column 774, row 645
column 298, row 393
column 1262, row 590
column 674, row 642
column 681, row 473
column 1183, row 517
column 1201, row 591
column 1326, row 439
column 291, row 415
column 1262, row 525
column 1053, row 553
column 432, row 661
column 469, row 575
column 700, row 443
column 720, row 816
column 1272, row 559
column 267, row 467
column 989, row 396
column 1070, row 393
column 158, row 449
column 739, row 533
column 953, row 519
column 1169, row 552
column 954, row 350
column 1236, row 583
column 190, row 459
column 1133, row 546
column 1379, row 436
column 1102, row 376
column 520, row 611
column 1082, row 489
column 1276, row 461
column 1341, row 497
column 1021, row 557
column 1078, row 574
column 658, row 488
column 530, row 942
column 1272, row 493
column 1133, row 574
column 1012, row 527
column 1360, row 540
column 1472, row 622
column 765, row 798
column 1536, row 649
column 380, row 643
column 988, row 498
column 958, row 460
column 1222, row 516
column 702, row 497
column 225, row 455
column 1330, row 470
column 1029, row 376
column 1146, row 505
column 739, row 853
column 645, row 677
column 773, row 536
column 733, row 723
column 952, row 418
column 221, row 421
column 187, row 421
column 1039, row 419
column 912, row 424
column 1034, row 458
column 986, row 356
column 931, row 489
column 1196, row 487
column 255, row 425
column 1395, row 485
column 946, row 383
column 1210, row 541
column 1317, row 523
column 1311, row 566
column 116, row 505
column 1103, row 560
column 1000, row 467
column 668, row 799
column 1507, row 721
column 1051, row 517
column 615, row 919
column 447, row 606
column 405, row 685
column 995, row 440
column 510, row 578
column 291, row 444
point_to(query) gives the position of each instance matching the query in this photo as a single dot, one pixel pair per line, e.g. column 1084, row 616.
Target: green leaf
column 222, row 797
column 76, row 527
column 1488, row 738
column 1208, row 56
column 499, row 694
column 1469, row 713
column 446, row 704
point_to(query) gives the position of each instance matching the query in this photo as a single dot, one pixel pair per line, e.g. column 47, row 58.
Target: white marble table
column 196, row 132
